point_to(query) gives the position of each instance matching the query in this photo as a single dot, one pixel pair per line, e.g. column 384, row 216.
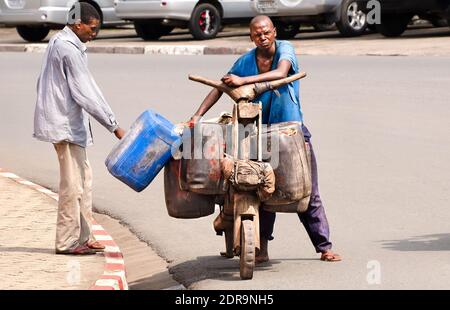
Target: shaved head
column 263, row 33
column 261, row 19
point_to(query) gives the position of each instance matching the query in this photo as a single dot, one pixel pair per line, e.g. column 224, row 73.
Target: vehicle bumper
column 44, row 15
column 303, row 8
column 176, row 10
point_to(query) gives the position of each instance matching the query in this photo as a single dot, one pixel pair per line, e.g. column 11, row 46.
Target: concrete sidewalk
column 420, row 40
column 27, row 242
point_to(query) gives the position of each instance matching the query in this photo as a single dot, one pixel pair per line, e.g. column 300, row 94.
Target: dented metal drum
column 203, row 149
column 180, row 203
column 284, row 148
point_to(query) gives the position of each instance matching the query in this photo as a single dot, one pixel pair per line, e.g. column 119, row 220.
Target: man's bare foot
column 227, row 255
column 262, row 255
column 330, row 256
column 261, row 259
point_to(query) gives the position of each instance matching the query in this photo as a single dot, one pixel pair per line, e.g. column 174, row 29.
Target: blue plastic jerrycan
column 143, row 151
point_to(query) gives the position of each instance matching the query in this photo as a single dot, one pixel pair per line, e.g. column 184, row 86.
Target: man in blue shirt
column 272, row 60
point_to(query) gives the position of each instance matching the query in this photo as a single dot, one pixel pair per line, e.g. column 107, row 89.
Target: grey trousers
column 74, row 219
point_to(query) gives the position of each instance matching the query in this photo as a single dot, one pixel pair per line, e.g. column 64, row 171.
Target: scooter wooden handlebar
column 247, row 92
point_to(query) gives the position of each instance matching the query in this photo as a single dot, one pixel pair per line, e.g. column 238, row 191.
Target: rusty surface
column 292, row 175
column 184, row 204
column 202, row 174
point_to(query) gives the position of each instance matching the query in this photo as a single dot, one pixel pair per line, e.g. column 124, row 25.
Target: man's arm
column 86, row 93
column 213, row 96
column 280, row 72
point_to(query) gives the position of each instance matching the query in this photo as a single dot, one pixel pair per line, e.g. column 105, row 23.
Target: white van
column 34, row 18
column 204, row 18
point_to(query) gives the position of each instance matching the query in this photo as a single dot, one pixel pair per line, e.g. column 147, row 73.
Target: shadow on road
column 211, row 267
column 217, row 267
column 435, row 242
column 27, row 250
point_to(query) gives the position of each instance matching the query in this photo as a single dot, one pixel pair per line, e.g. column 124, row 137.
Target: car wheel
column 438, row 22
column 205, row 21
column 393, row 25
column 352, row 21
column 151, row 30
column 33, row 33
column 286, row 31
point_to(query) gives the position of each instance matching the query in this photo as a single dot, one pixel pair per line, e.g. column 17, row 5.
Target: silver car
column 34, row 18
column 155, row 18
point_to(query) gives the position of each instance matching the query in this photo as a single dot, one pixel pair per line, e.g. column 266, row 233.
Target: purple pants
column 314, row 219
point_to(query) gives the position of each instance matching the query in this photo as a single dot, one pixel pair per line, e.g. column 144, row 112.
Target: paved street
column 380, row 127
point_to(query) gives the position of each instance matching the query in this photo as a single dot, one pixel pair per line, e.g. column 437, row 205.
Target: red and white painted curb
column 114, row 274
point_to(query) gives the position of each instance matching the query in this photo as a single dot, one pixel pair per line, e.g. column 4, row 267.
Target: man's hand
column 232, row 80
column 192, row 121
column 119, row 132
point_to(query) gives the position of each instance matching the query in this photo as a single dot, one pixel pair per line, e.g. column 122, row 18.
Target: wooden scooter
column 239, row 216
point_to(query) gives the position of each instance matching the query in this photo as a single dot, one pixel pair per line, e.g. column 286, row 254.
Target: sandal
column 79, row 250
column 97, row 246
column 329, row 256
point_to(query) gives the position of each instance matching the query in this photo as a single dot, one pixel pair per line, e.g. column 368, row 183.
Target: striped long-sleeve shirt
column 67, row 94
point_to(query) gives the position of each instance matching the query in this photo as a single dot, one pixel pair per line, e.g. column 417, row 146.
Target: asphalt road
column 381, row 132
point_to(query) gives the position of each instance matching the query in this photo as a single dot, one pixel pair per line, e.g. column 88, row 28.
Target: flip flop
column 329, row 256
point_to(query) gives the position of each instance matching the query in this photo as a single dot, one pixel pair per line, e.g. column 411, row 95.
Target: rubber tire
column 248, row 250
column 438, row 22
column 149, row 31
column 33, row 33
column 194, row 26
column 393, row 25
column 343, row 25
column 286, row 31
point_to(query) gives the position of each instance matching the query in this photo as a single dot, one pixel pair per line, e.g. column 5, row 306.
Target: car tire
column 205, row 22
column 286, row 31
column 438, row 22
column 33, row 33
column 393, row 25
column 352, row 21
column 149, row 31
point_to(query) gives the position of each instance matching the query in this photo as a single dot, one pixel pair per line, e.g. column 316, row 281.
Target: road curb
column 136, row 49
column 114, row 274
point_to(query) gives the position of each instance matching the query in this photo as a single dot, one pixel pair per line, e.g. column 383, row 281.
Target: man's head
column 262, row 32
column 84, row 21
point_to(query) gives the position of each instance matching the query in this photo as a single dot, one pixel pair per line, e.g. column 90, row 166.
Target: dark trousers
column 314, row 219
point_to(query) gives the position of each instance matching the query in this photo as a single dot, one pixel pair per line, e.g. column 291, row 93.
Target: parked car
column 34, row 19
column 396, row 14
column 205, row 18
